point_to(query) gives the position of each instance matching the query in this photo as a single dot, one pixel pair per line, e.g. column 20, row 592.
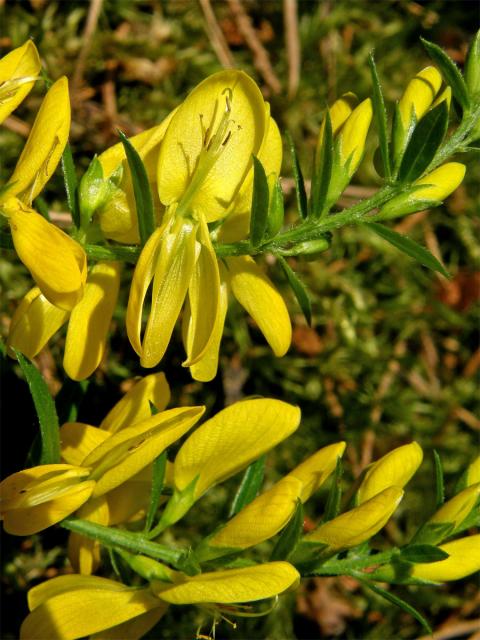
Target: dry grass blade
column 216, row 37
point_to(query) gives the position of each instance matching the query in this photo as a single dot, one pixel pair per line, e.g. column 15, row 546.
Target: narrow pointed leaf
column 424, row 143
column 439, row 482
column 450, row 72
column 158, row 479
column 249, row 486
column 380, row 117
column 46, row 412
column 290, row 536
column 411, row 248
column 298, row 289
column 141, row 190
column 276, row 211
column 422, row 553
column 323, row 170
column 299, row 181
column 332, row 508
column 71, row 184
column 258, row 220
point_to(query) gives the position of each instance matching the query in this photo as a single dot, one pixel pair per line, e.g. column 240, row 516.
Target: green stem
column 342, row 567
column 124, row 254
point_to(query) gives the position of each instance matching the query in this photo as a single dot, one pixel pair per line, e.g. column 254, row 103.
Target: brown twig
column 261, row 58
column 12, row 123
column 216, row 37
column 454, row 631
column 290, row 17
column 90, row 27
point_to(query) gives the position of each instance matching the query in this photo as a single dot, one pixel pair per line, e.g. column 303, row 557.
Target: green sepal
column 298, row 289
column 450, row 72
column 472, row 67
column 249, row 487
column 400, row 136
column 439, row 480
column 322, row 171
column 432, row 533
column 380, row 117
column 404, row 205
column 276, row 212
column 411, row 248
column 178, row 505
column 158, row 479
column 93, row 191
column 290, row 535
column 259, row 213
column 424, row 143
column 141, row 190
column 332, row 508
column 299, row 181
column 71, row 184
column 146, row 567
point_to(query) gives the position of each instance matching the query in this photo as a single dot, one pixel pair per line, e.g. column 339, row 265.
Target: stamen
column 9, row 88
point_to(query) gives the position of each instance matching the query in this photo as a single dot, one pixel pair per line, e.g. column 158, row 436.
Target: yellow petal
column 45, row 144
column 129, row 501
column 339, row 113
column 464, row 559
column 34, row 322
column 173, row 273
column 232, row 439
column 313, row 471
column 133, row 629
column 44, row 591
column 90, row 321
column 256, row 293
column 57, row 263
column 357, row 525
column 130, row 450
column 443, row 181
column 263, row 518
column 142, row 279
column 78, row 440
column 203, row 296
column 353, row 135
column 135, row 404
column 18, row 72
column 445, row 95
column 206, row 368
column 191, row 130
column 473, row 472
column 459, row 507
column 395, row 468
column 232, row 585
column 86, row 610
column 419, row 95
column 83, row 552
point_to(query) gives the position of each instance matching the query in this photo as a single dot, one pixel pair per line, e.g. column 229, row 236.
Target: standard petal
column 459, row 507
column 232, row 585
column 419, row 95
column 45, row 144
column 232, row 439
column 135, row 404
column 192, row 128
column 464, row 559
column 130, row 500
column 78, row 440
column 203, row 296
column 57, row 263
column 256, row 293
column 133, row 629
column 18, row 72
column 173, row 273
column 83, row 552
column 90, row 321
column 34, row 322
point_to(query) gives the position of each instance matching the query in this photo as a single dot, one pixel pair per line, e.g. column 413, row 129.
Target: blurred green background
column 393, row 354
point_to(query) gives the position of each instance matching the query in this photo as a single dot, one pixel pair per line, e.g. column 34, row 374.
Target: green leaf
column 439, row 482
column 332, row 508
column 432, row 533
column 323, row 171
column 298, row 289
column 299, row 182
column 411, row 248
column 41, row 206
column 472, row 67
column 141, row 190
column 380, row 117
column 290, row 536
column 422, row 553
column 249, row 486
column 450, row 72
column 276, row 211
column 158, row 479
column 424, row 143
column 46, row 412
column 71, row 184
column 259, row 215
column 383, row 593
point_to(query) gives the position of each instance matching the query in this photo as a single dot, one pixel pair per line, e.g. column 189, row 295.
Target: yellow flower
column 204, row 173
column 464, row 559
column 473, row 472
column 458, row 508
column 394, row 469
column 439, row 184
column 359, row 524
column 19, row 70
column 36, row 320
column 57, row 263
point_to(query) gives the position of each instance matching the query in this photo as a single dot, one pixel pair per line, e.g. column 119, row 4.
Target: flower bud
column 18, row 71
column 464, row 559
column 472, row 67
column 419, row 96
column 94, row 190
column 458, row 508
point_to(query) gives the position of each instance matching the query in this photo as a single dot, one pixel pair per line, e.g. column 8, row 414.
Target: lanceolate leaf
column 450, row 72
column 380, row 117
column 439, row 483
column 290, row 536
column 46, row 412
column 158, row 479
column 422, row 553
column 141, row 190
column 71, row 184
column 298, row 289
column 323, row 170
column 275, row 210
column 411, row 248
column 422, row 147
column 299, row 182
column 249, row 487
column 332, row 507
column 259, row 215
